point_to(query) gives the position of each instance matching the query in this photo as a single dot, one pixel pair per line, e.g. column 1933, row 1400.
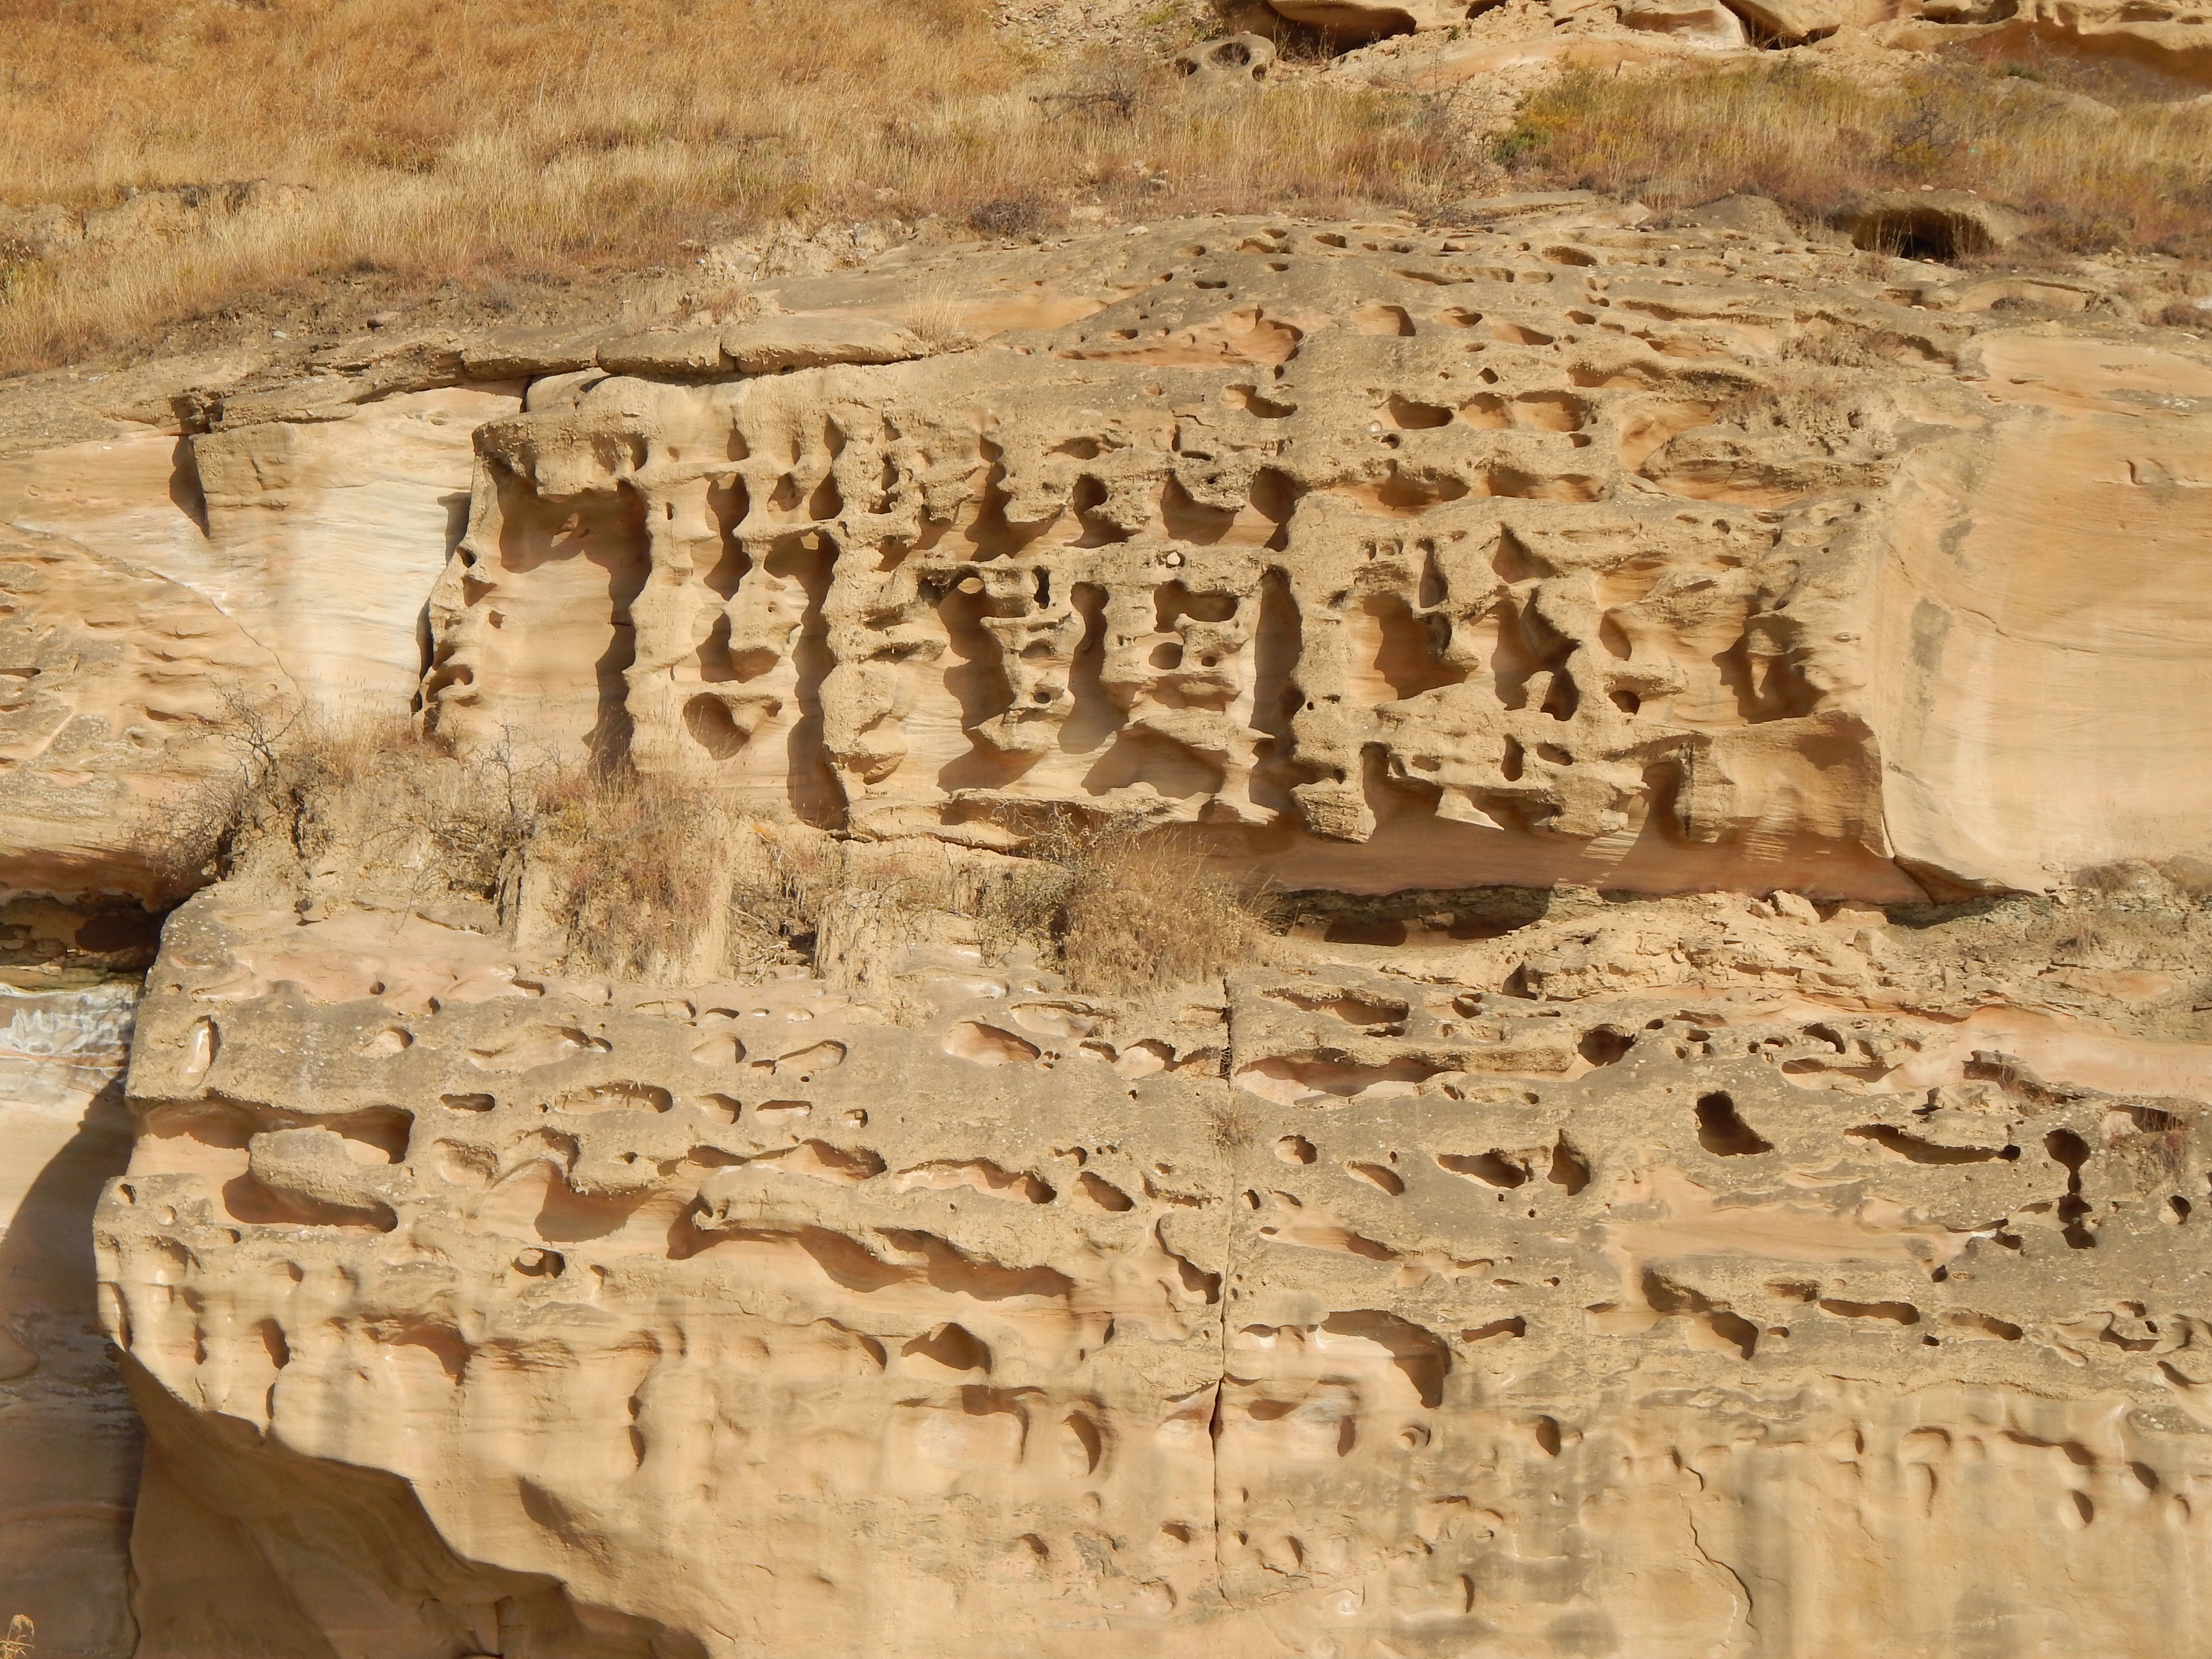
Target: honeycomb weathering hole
column 1723, row 1132
column 987, row 1045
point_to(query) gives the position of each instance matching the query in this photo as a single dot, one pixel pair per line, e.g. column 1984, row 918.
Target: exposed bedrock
column 1422, row 562
column 2155, row 39
column 1697, row 1175
column 69, row 1440
column 1359, row 1306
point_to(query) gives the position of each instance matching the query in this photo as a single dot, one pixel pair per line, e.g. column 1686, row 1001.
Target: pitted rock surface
column 1705, row 1165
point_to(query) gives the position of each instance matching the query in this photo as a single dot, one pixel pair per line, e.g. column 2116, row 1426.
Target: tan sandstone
column 1706, row 1160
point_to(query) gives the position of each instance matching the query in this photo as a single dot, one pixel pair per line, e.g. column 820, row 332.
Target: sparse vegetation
column 505, row 151
column 649, row 879
column 539, row 141
column 2137, row 177
column 1122, row 910
column 300, row 787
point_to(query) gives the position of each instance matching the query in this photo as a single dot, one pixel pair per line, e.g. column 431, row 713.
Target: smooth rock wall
column 69, row 1437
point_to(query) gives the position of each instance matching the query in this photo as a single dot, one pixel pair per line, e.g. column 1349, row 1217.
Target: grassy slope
column 477, row 140
column 2136, row 176
column 477, row 143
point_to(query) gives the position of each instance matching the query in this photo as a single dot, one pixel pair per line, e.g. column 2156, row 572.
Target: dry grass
column 1121, row 910
column 307, row 795
column 2158, row 883
column 650, row 879
column 2139, row 180
column 625, row 872
column 480, row 142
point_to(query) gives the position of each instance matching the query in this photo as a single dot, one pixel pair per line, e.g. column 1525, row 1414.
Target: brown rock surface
column 1543, row 551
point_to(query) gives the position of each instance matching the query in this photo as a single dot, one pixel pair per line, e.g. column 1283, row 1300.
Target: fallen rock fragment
column 1235, row 59
column 1354, row 22
column 768, row 345
column 1696, row 22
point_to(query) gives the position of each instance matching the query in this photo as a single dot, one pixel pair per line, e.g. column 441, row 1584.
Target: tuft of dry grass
column 542, row 141
column 2157, row 882
column 2137, row 178
column 1123, row 910
column 625, row 871
column 654, row 879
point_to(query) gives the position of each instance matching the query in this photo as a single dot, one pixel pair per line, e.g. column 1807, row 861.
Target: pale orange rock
column 1704, row 1166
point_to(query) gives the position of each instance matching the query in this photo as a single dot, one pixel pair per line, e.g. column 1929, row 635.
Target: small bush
column 1007, row 216
column 1122, row 910
column 287, row 780
column 2191, row 876
column 629, row 872
column 602, row 870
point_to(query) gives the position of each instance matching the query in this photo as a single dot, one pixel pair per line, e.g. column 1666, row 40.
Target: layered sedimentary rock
column 2161, row 46
column 1694, row 1170
column 1534, row 553
column 156, row 585
column 1569, row 1277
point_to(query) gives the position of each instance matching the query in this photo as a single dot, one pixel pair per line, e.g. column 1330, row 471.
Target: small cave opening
column 1722, row 1132
column 1930, row 234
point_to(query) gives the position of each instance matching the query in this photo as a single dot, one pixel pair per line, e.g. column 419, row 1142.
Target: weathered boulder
column 1235, row 59
column 1789, row 21
column 1353, row 22
column 1753, row 216
column 1698, row 22
column 771, row 345
column 1929, row 224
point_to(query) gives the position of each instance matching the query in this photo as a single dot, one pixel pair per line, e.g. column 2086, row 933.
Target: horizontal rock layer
column 1420, row 562
column 1512, row 1296
column 1508, row 1258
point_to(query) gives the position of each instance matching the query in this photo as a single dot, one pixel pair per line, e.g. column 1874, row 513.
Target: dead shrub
column 288, row 778
column 1122, row 910
column 1817, row 406
column 2191, row 876
column 1234, row 1127
column 2122, row 878
column 1007, row 216
column 603, row 871
column 1845, row 344
column 627, row 871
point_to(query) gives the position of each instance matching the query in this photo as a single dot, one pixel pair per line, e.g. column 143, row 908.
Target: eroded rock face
column 1679, row 1277
column 157, row 584
column 1558, row 551
column 1491, row 1264
column 1463, row 41
column 69, row 1440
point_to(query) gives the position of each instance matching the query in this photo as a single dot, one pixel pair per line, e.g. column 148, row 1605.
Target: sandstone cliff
column 1694, row 1149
